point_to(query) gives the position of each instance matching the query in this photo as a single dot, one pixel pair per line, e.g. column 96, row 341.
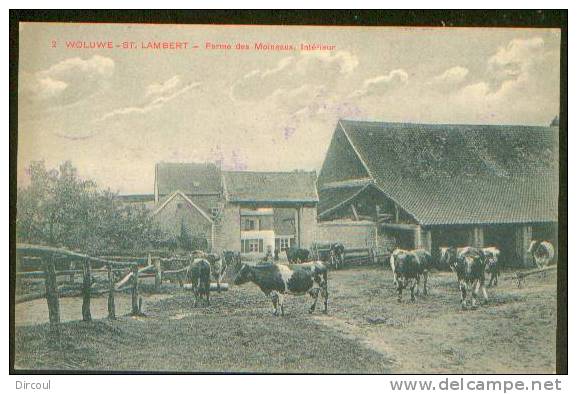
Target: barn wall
column 308, row 226
column 228, row 230
column 172, row 217
column 350, row 234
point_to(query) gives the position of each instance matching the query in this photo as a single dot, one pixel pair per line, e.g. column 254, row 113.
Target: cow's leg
column 325, row 294
column 281, row 303
column 463, row 288
column 314, row 293
column 413, row 283
column 274, row 296
column 207, row 289
column 417, row 284
column 474, row 294
column 484, row 290
column 425, row 280
column 399, row 290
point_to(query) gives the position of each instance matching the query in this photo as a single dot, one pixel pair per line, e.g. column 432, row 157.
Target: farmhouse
column 437, row 185
column 250, row 212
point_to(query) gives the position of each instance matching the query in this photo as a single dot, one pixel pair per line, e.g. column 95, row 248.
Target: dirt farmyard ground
column 366, row 331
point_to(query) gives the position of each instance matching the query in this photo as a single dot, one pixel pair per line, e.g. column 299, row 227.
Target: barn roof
column 462, row 174
column 248, row 186
column 190, row 178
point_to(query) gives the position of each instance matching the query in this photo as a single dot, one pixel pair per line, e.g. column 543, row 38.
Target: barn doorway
column 503, row 238
column 447, row 236
column 401, row 238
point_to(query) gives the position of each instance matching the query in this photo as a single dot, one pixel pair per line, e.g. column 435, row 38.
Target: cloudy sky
column 116, row 112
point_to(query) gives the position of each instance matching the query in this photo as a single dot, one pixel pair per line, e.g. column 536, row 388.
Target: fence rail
column 46, row 258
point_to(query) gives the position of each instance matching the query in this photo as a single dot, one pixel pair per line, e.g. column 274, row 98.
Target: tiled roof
column 190, row 178
column 462, row 174
column 248, row 186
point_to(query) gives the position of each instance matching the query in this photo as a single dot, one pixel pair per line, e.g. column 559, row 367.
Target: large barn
column 438, row 185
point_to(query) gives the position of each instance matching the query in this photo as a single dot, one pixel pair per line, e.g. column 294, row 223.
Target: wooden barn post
column 135, row 309
column 72, row 267
column 86, row 287
column 158, row 276
column 111, row 306
column 52, row 293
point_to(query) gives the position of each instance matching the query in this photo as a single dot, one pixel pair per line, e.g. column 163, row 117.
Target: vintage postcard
column 286, row 199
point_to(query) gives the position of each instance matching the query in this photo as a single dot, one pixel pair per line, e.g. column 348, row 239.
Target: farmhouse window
column 214, row 211
column 283, row 243
column 251, row 224
column 252, row 245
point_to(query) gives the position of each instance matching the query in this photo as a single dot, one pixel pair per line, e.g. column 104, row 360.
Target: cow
column 217, row 267
column 542, row 253
column 470, row 269
column 492, row 265
column 406, row 272
column 276, row 280
column 448, row 255
column 337, row 254
column 424, row 261
column 297, row 255
column 198, row 273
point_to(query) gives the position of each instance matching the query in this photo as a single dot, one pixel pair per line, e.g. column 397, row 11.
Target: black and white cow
column 198, row 273
column 492, row 264
column 406, row 271
column 424, row 261
column 542, row 253
column 470, row 270
column 296, row 255
column 276, row 280
column 337, row 254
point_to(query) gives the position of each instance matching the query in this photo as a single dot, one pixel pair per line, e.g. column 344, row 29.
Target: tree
column 59, row 208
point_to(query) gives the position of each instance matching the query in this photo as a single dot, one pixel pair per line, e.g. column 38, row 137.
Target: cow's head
column 532, row 247
column 243, row 275
column 491, row 256
column 447, row 256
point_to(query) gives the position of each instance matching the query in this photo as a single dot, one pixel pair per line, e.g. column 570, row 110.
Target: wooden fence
column 132, row 269
column 353, row 256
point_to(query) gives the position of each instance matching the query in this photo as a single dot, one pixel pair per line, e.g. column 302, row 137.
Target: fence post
column 158, row 277
column 135, row 309
column 52, row 294
column 86, row 286
column 111, row 306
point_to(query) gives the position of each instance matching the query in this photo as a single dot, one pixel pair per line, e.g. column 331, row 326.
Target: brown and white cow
column 276, row 280
column 217, row 266
column 198, row 273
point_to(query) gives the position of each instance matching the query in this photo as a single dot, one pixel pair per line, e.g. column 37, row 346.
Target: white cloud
column 68, row 81
column 148, row 106
column 293, row 72
column 382, row 83
column 167, row 86
column 520, row 79
column 451, row 76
